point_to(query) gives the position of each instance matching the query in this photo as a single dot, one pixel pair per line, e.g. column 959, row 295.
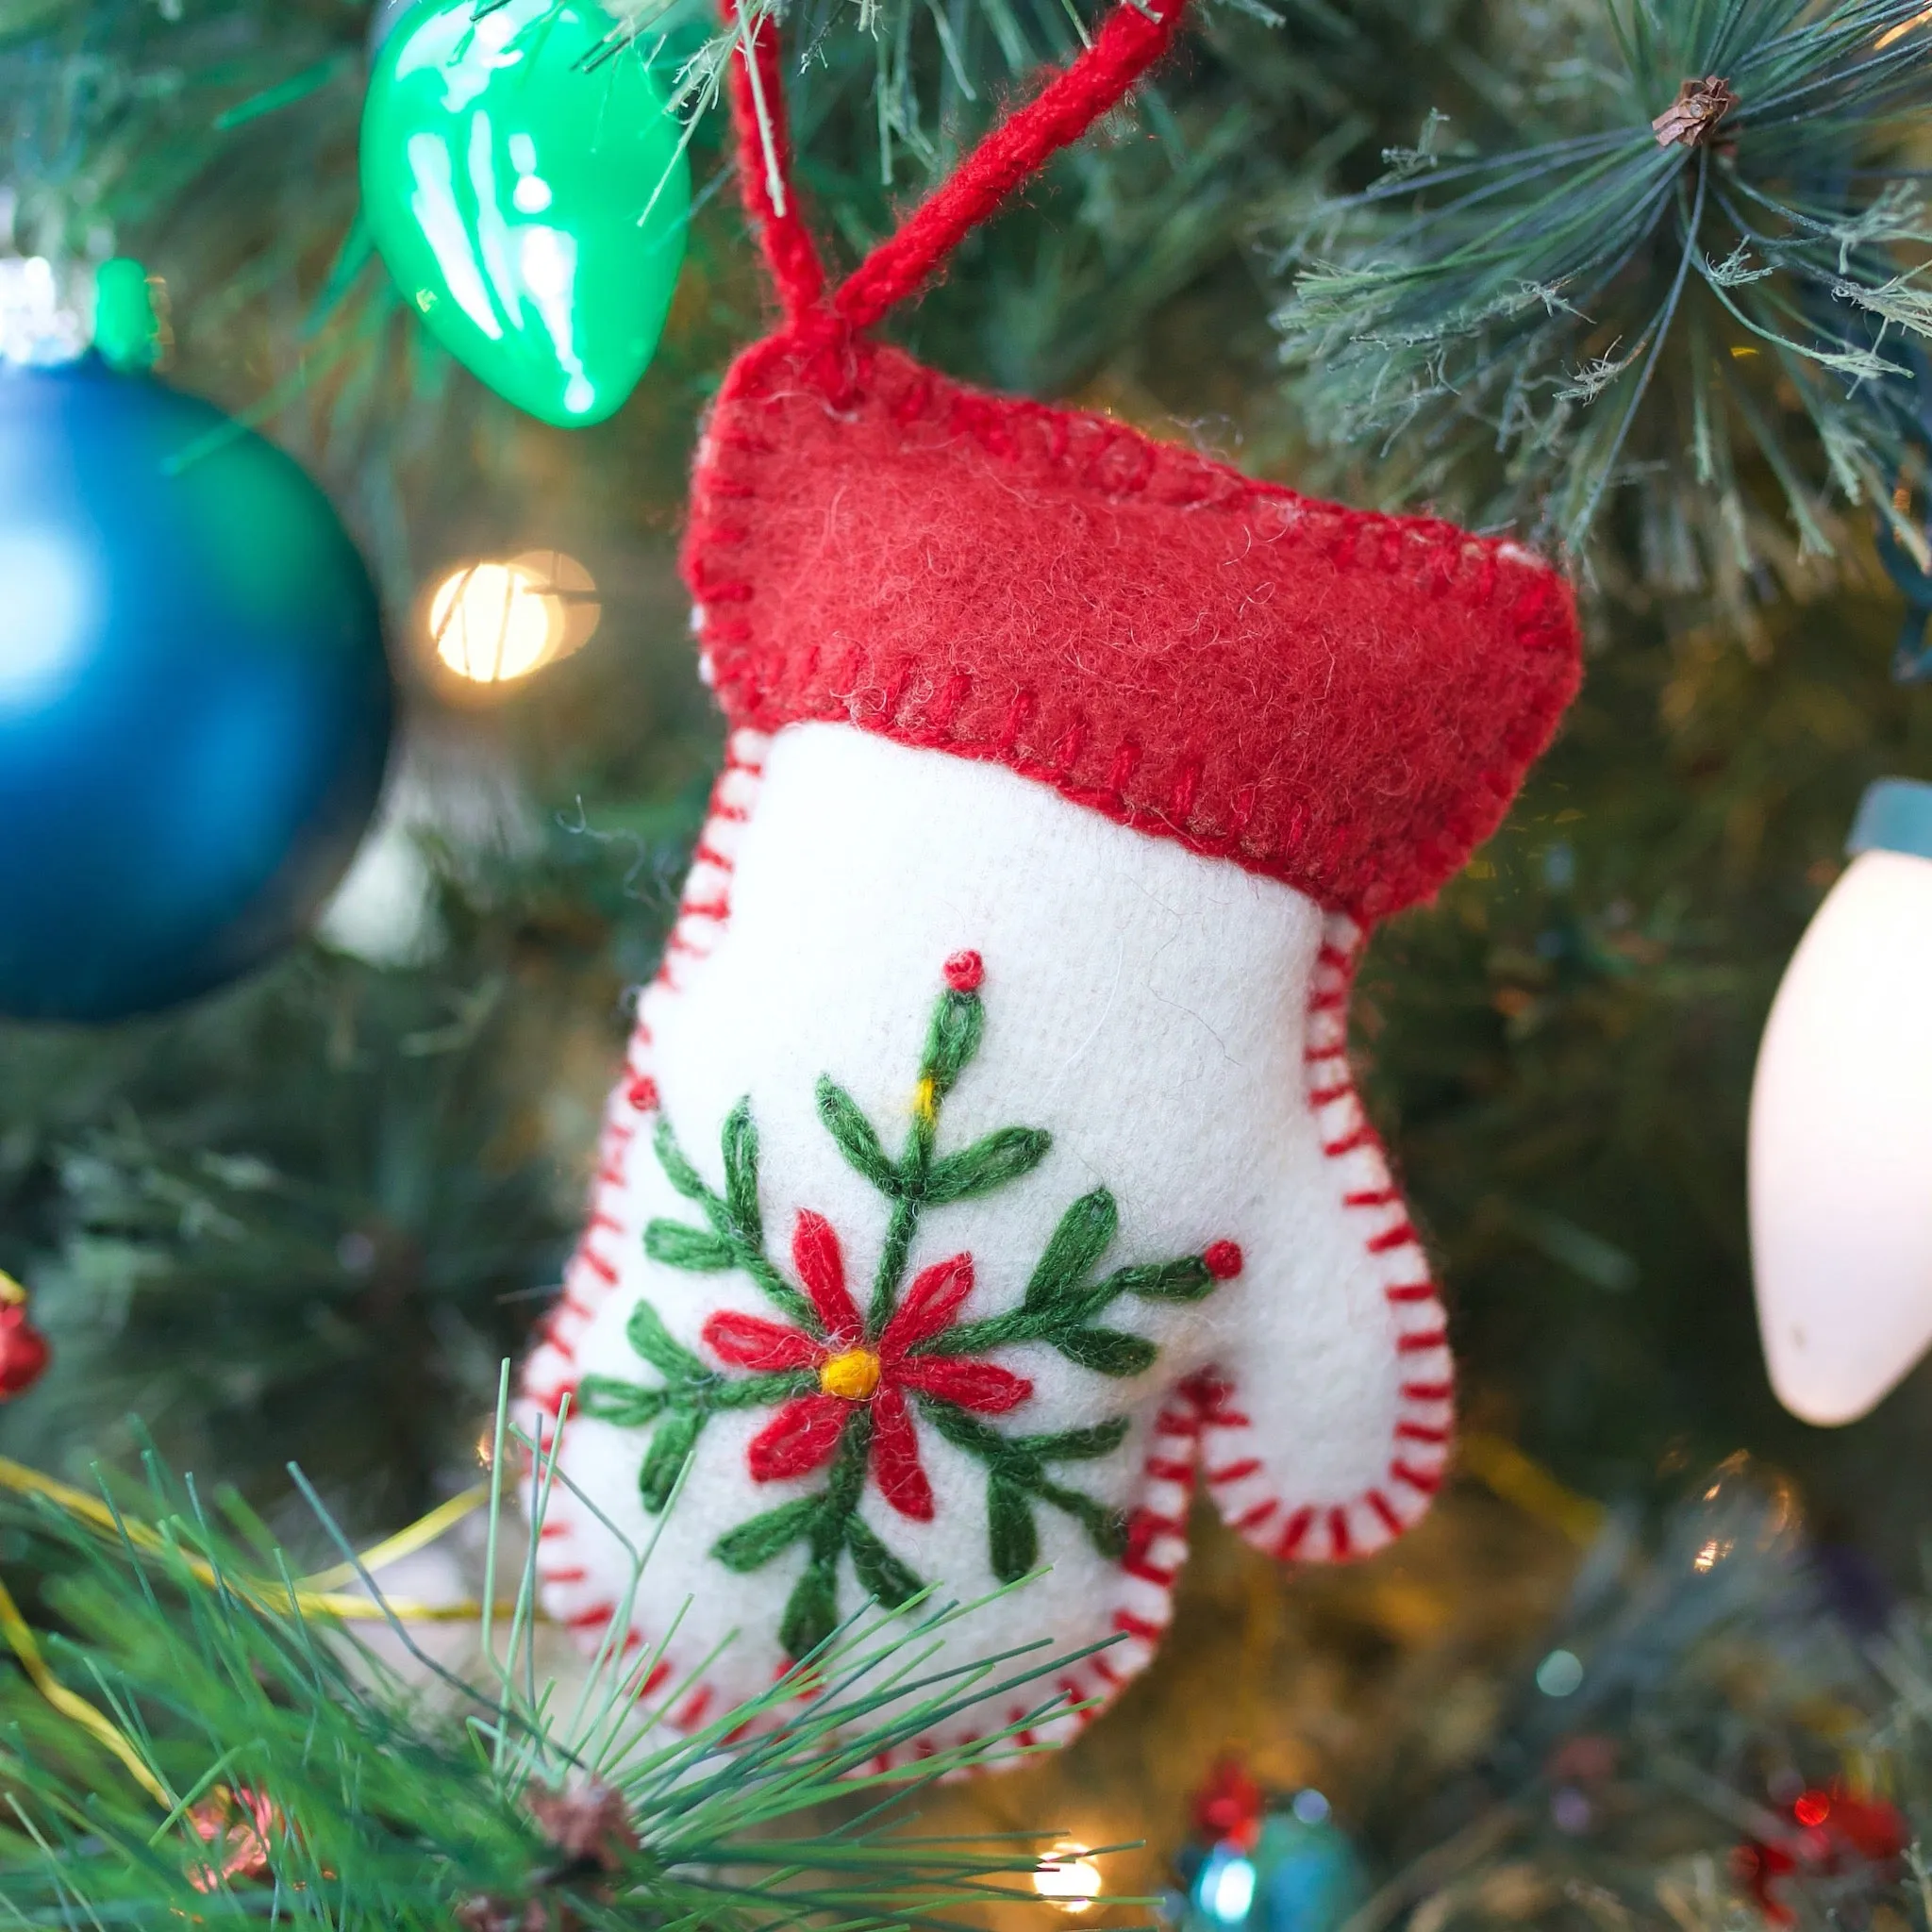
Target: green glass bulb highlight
column 525, row 184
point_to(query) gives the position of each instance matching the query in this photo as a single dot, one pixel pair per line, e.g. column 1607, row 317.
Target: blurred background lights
column 1559, row 1673
column 1225, row 1888
column 1067, row 1877
column 497, row 621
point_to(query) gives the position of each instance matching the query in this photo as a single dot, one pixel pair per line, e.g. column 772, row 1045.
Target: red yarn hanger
column 764, row 167
column 1134, row 36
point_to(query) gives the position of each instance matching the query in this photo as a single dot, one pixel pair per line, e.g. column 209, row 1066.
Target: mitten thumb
column 1324, row 1434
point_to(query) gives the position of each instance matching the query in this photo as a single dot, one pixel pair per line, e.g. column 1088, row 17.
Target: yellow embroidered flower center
column 852, row 1376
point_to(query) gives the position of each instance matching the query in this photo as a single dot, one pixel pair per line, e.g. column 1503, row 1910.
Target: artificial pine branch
column 305, row 1220
column 1705, row 263
column 290, row 1777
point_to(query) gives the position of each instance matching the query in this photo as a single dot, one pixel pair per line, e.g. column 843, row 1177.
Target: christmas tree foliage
column 239, row 1755
column 1640, row 280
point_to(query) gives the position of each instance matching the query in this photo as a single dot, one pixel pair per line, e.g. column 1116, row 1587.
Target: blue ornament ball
column 1302, row 1875
column 194, row 702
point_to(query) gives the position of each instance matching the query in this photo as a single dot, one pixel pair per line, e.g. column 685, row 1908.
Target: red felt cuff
column 1342, row 700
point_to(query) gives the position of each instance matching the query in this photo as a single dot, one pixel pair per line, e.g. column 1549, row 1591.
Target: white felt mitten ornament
column 987, row 1169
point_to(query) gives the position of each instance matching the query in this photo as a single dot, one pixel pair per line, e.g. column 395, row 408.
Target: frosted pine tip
column 964, row 972
column 1223, row 1260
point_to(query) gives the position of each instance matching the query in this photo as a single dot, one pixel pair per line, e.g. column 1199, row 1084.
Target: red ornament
column 1229, row 1805
column 1868, row 1828
column 1224, row 1260
column 24, row 1351
column 1836, row 1834
column 240, row 1826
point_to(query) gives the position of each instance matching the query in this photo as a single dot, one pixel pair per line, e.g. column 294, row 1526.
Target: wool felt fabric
column 1346, row 703
column 1175, row 1026
column 988, row 1170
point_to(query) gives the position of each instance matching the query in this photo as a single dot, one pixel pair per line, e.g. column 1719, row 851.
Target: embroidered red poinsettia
column 840, row 1382
column 861, row 1374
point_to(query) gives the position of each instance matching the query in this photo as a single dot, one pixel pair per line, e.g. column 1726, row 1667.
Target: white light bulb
column 1842, row 1128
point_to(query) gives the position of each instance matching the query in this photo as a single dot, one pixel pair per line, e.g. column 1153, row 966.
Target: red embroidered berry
column 964, row 972
column 642, row 1094
column 24, row 1352
column 1223, row 1260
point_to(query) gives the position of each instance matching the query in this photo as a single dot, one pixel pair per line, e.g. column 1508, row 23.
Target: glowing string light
column 1900, row 30
column 1225, row 1888
column 494, row 621
column 1067, row 1877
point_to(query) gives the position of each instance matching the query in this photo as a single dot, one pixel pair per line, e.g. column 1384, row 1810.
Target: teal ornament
column 527, row 184
column 194, row 702
column 1300, row 1876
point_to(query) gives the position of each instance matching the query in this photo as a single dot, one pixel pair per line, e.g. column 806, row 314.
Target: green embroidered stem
column 830, row 1526
column 917, row 1180
column 952, row 1039
column 885, row 1288
column 1016, row 1470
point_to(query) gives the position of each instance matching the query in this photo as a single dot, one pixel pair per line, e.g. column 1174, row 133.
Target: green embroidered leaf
column 756, row 1392
column 605, row 1399
column 753, row 1544
column 677, row 1170
column 1078, row 1243
column 1077, row 1445
column 741, row 1173
column 964, row 1431
column 846, row 1122
column 1105, row 1351
column 1012, row 1541
column 881, row 1574
column 812, row 1613
column 1107, row 1528
column 958, row 1022
column 991, row 1163
column 677, row 1436
column 677, row 1246
column 1186, row 1280
column 653, row 1341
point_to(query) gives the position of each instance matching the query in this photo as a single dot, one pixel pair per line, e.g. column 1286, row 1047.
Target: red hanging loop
column 1136, row 35
column 1132, row 41
column 764, row 167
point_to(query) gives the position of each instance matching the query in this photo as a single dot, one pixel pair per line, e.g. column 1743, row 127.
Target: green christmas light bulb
column 526, row 186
